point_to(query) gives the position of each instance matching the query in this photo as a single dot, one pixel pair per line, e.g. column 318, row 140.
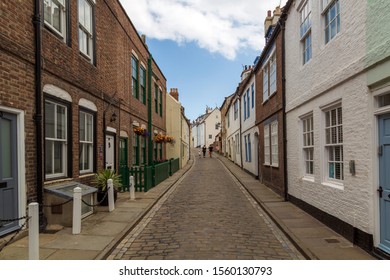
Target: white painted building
column 249, row 129
column 206, row 127
column 212, row 126
column 233, row 136
column 334, row 117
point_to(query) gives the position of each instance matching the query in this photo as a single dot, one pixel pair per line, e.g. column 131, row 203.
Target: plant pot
column 103, row 198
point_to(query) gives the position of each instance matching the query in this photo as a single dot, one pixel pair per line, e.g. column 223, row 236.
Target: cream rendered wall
column 173, row 111
column 336, row 72
column 185, row 141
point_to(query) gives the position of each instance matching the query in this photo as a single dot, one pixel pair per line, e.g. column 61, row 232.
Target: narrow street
column 206, row 215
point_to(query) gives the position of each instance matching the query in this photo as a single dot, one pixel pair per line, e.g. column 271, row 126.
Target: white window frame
column 270, row 76
column 305, row 32
column 308, row 145
column 55, row 139
column 327, row 6
column 271, row 144
column 88, row 143
column 62, row 17
column 267, row 146
column 85, row 30
column 333, row 129
column 274, row 144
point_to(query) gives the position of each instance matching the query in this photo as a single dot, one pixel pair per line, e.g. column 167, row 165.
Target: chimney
column 174, row 93
column 267, row 22
column 143, row 38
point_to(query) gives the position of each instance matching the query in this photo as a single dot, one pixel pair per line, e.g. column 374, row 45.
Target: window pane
column 58, row 157
column 82, row 126
column 47, row 10
column 81, row 12
column 56, row 16
column 61, row 122
column 48, row 157
column 89, row 128
column 83, row 41
column 49, row 120
column 88, row 17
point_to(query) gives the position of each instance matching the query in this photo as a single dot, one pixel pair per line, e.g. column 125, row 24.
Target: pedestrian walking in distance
column 204, row 150
column 199, row 153
column 211, row 151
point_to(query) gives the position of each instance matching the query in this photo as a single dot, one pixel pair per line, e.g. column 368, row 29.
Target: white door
column 110, row 152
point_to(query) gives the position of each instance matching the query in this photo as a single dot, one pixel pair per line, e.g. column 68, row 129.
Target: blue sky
column 201, row 45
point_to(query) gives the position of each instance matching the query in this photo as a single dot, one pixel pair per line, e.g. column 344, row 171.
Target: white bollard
column 33, row 231
column 132, row 188
column 111, row 202
column 76, row 226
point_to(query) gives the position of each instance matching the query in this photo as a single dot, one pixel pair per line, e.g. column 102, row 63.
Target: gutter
column 38, row 109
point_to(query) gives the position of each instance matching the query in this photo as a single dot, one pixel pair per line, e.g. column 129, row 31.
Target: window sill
column 308, row 179
column 335, row 185
column 49, row 181
column 86, row 175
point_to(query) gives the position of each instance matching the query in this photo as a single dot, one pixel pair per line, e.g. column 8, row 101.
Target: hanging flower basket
column 159, row 138
column 169, row 139
column 141, row 131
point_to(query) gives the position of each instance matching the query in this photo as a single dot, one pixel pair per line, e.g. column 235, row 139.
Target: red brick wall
column 273, row 177
column 64, row 67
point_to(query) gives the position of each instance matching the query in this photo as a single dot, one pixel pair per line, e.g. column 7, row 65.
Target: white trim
column 334, row 185
column 135, row 123
column 57, row 92
column 123, row 134
column 135, row 54
column 87, row 104
column 331, row 105
column 143, row 65
column 22, row 189
column 111, row 129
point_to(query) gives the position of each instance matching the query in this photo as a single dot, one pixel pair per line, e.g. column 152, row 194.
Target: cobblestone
column 207, row 215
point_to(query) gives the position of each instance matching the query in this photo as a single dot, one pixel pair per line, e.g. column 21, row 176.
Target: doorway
column 110, row 152
column 384, row 182
column 9, row 190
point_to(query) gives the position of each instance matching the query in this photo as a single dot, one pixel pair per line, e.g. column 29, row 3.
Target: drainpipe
column 150, row 142
column 283, row 27
column 38, row 108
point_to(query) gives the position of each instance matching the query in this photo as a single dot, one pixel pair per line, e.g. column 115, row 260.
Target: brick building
column 74, row 81
column 269, row 107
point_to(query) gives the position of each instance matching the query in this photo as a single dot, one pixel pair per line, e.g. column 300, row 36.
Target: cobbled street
column 206, row 215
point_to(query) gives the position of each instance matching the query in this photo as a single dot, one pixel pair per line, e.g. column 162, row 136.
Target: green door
column 123, row 160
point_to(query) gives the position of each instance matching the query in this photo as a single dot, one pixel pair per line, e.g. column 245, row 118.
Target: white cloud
column 220, row 26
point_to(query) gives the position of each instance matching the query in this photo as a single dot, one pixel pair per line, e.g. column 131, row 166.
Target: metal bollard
column 76, row 226
column 33, row 231
column 111, row 202
column 132, row 188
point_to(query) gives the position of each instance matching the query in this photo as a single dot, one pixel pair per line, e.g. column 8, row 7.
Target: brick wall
column 271, row 109
column 106, row 82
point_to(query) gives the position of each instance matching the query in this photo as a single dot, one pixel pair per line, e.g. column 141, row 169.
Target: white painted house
column 249, row 129
column 206, row 127
column 233, row 136
column 337, row 116
column 212, row 125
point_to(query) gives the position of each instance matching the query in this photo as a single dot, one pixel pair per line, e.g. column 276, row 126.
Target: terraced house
column 337, row 106
column 76, row 80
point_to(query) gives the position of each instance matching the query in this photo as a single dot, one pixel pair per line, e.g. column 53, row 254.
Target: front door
column 123, row 166
column 110, row 152
column 384, row 181
column 8, row 173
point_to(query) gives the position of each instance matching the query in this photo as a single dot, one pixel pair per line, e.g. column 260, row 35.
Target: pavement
column 102, row 231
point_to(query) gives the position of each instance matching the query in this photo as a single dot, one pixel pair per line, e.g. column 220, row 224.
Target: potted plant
column 100, row 182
